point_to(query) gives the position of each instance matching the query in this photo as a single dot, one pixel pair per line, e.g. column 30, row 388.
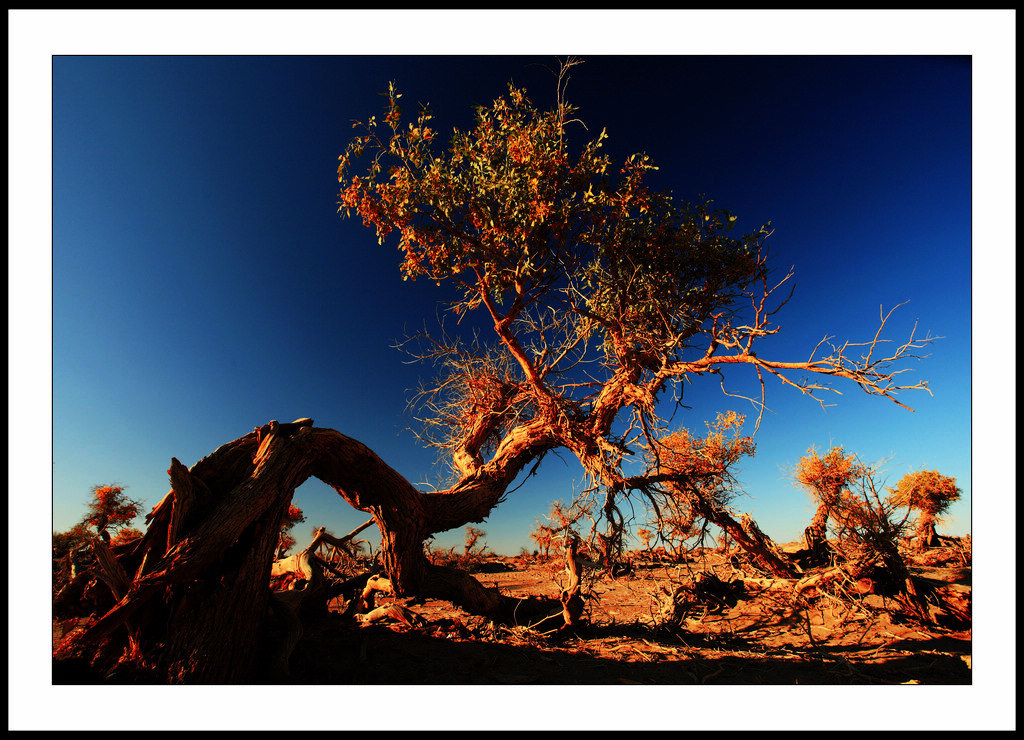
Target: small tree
column 110, row 509
column 644, row 535
column 544, row 537
column 474, row 535
column 825, row 478
column 930, row 493
column 285, row 541
column 563, row 524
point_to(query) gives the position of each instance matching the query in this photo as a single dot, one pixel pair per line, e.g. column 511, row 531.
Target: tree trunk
column 818, row 552
column 927, row 536
column 199, row 595
column 197, row 605
column 819, row 522
column 750, row 538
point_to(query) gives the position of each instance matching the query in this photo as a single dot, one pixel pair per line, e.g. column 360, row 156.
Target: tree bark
column 927, row 536
column 198, row 604
column 199, row 597
column 750, row 538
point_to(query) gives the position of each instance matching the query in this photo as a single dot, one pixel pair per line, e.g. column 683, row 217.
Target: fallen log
column 396, row 612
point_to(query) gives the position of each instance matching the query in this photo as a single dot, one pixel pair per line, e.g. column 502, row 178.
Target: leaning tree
column 600, row 296
column 692, row 484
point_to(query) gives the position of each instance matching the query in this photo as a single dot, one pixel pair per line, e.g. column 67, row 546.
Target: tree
column 474, row 535
column 563, row 522
column 930, row 493
column 602, row 295
column 644, row 535
column 543, row 536
column 110, row 508
column 285, row 541
column 575, row 264
column 825, row 478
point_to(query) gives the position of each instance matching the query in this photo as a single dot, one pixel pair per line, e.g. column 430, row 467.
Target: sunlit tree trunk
column 754, row 542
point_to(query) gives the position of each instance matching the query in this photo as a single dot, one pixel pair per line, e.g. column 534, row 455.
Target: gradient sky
column 204, row 284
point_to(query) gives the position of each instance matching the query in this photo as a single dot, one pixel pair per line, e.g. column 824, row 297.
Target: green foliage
column 515, row 218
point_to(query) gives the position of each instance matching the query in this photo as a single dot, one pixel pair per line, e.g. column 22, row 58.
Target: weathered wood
column 109, row 569
column 572, row 602
column 396, row 612
column 185, row 492
column 201, row 583
column 757, row 544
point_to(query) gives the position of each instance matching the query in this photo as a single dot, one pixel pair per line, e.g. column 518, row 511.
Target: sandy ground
column 763, row 639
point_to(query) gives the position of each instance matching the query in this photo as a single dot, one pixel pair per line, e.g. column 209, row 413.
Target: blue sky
column 95, row 397
column 203, row 282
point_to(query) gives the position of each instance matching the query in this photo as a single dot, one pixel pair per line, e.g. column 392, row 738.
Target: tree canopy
column 930, row 493
column 603, row 292
column 826, row 477
column 110, row 508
